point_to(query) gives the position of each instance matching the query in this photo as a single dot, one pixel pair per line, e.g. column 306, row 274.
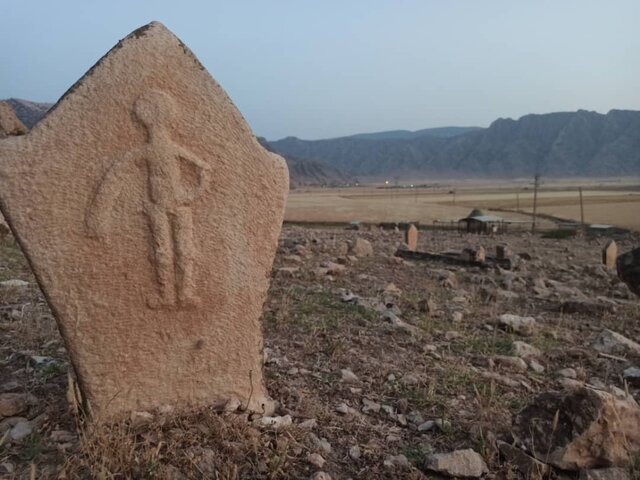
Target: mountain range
column 582, row 143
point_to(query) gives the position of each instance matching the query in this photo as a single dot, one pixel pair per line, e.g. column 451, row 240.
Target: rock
column 503, row 252
column 157, row 252
column 361, row 248
column 632, row 376
column 610, row 254
column 14, row 283
column 586, row 305
column 427, row 305
column 411, row 238
column 515, row 363
column 524, row 350
column 12, row 404
column 517, row 324
column 354, row 452
column 320, row 443
column 276, row 422
column 612, row 342
column 460, row 463
column 628, row 267
column 606, row 474
column 321, row 476
column 316, row 460
column 370, row 406
column 439, row 424
column 333, row 268
column 536, row 366
column 396, row 461
column 567, row 373
column 140, row 419
column 62, row 436
column 474, row 254
column 580, row 429
column 391, row 289
column 21, row 430
column 394, row 320
column 345, row 409
column 10, row 124
column 288, row 272
column 530, row 467
column 348, row 376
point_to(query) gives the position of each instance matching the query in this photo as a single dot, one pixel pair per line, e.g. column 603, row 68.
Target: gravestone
column 503, row 252
column 150, row 216
column 609, row 254
column 411, row 238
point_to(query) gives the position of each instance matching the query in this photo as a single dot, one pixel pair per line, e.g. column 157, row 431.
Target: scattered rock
column 531, row 468
column 524, row 350
column 316, row 459
column 460, row 463
column 605, row 474
column 567, row 373
column 276, row 422
column 348, row 376
column 361, row 248
column 354, row 452
column 14, row 283
column 517, row 324
column 396, row 461
column 439, row 423
column 612, row 342
column 321, row 476
column 580, row 429
column 21, row 430
column 11, row 404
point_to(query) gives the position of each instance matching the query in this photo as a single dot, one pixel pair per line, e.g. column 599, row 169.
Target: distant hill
column 578, row 143
column 310, row 172
column 408, row 134
column 28, row 112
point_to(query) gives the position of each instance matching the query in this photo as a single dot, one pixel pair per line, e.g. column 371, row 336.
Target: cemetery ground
column 376, row 364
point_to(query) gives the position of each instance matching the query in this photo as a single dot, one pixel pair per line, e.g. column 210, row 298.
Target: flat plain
column 605, row 201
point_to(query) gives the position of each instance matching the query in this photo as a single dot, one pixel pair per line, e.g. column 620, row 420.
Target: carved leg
column 162, row 256
column 185, row 255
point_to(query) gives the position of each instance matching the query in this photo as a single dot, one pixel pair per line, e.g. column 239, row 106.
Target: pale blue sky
column 330, row 68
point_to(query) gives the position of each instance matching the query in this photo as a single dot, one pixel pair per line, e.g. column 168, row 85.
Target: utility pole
column 581, row 210
column 536, row 184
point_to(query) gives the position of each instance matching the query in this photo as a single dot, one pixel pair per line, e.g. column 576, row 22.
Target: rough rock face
column 151, row 219
column 10, row 124
column 628, row 266
column 361, row 248
column 580, row 429
column 461, row 463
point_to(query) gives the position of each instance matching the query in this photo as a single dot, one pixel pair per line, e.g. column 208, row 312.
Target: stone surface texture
column 150, row 219
column 580, row 429
column 10, row 124
column 609, row 254
column 411, row 238
column 628, row 267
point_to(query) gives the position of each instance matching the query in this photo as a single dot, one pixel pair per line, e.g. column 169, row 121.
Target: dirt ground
column 445, row 362
column 613, row 202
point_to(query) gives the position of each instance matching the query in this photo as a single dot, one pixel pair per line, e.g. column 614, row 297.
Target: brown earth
column 450, row 363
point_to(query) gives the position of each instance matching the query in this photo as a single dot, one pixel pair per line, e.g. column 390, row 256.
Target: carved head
column 153, row 108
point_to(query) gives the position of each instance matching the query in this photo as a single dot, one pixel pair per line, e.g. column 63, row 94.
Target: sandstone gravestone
column 411, row 238
column 609, row 254
column 150, row 215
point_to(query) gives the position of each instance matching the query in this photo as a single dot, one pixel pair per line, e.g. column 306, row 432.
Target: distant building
column 478, row 222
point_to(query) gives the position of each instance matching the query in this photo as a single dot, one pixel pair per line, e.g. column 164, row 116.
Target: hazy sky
column 318, row 69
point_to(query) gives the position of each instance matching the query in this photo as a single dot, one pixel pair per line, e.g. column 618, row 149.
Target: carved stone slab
column 150, row 216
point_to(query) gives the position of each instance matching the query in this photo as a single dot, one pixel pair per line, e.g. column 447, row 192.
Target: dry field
column 616, row 203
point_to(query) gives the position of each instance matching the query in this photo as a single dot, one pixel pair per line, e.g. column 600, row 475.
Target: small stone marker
column 609, row 254
column 150, row 215
column 503, row 252
column 411, row 238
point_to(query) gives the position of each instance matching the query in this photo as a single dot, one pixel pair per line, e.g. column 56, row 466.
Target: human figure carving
column 168, row 203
